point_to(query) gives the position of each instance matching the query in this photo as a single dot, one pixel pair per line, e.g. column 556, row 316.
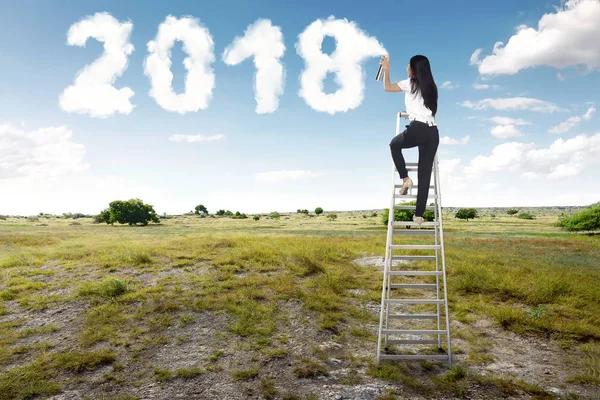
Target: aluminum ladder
column 414, row 293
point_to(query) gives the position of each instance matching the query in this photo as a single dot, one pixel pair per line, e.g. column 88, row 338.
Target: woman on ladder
column 421, row 96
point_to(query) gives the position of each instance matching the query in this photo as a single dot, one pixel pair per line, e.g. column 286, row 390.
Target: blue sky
column 505, row 153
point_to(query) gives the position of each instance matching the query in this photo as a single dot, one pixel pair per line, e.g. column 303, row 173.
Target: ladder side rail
column 439, row 206
column 437, row 254
column 388, row 257
column 391, row 233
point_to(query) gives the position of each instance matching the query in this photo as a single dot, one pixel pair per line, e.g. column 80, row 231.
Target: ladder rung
column 410, row 223
column 413, row 357
column 397, row 207
column 414, row 186
column 397, row 341
column 413, row 231
column 415, row 246
column 413, row 332
column 415, row 273
column 412, row 258
column 413, row 286
column 413, row 301
column 413, row 316
column 413, row 196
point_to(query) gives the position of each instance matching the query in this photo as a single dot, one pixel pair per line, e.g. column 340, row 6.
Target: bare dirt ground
column 204, row 346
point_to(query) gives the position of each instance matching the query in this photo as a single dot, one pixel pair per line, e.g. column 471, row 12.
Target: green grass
column 135, row 286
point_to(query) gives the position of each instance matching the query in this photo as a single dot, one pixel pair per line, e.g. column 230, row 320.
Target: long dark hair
column 423, row 82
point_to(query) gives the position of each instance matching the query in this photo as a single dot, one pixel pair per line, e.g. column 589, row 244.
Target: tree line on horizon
column 135, row 211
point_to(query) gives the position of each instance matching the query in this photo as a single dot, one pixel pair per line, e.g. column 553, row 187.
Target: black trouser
column 427, row 138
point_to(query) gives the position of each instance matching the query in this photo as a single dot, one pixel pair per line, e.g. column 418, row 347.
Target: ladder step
column 413, row 301
column 415, row 273
column 396, row 341
column 413, row 357
column 413, row 332
column 413, row 316
column 415, row 246
column 413, row 258
column 413, row 286
column 396, row 207
column 413, row 231
column 411, row 223
column 399, row 186
column 413, row 196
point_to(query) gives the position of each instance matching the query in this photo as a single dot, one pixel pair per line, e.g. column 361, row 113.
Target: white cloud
column 93, row 92
column 273, row 176
column 566, row 38
column 512, row 103
column 572, row 122
column 505, row 131
column 484, row 86
column 38, row 154
column 509, row 121
column 475, row 57
column 448, row 85
column 563, row 158
column 200, row 78
column 450, row 141
column 195, row 138
column 265, row 43
column 589, row 113
column 560, row 76
column 353, row 47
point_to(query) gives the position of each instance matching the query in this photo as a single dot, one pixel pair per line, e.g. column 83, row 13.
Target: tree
column 318, row 211
column 332, row 216
column 584, row 220
column 201, row 209
column 466, row 213
column 256, row 217
column 221, row 212
column 512, row 211
column 132, row 212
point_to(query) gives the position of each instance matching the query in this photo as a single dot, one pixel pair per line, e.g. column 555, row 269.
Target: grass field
column 278, row 308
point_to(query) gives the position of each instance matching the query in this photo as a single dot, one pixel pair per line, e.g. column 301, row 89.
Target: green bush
column 512, row 211
column 525, row 215
column 132, row 212
column 584, row 220
column 466, row 213
column 238, row 215
column 221, row 212
column 256, row 217
column 407, row 215
column 318, row 211
column 275, row 215
column 332, row 216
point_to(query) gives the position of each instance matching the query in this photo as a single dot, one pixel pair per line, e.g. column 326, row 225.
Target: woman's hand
column 385, row 63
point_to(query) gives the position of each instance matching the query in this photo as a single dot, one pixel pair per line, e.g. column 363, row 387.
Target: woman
column 421, row 97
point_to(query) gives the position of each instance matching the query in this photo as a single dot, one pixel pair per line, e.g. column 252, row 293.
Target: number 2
column 93, row 92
